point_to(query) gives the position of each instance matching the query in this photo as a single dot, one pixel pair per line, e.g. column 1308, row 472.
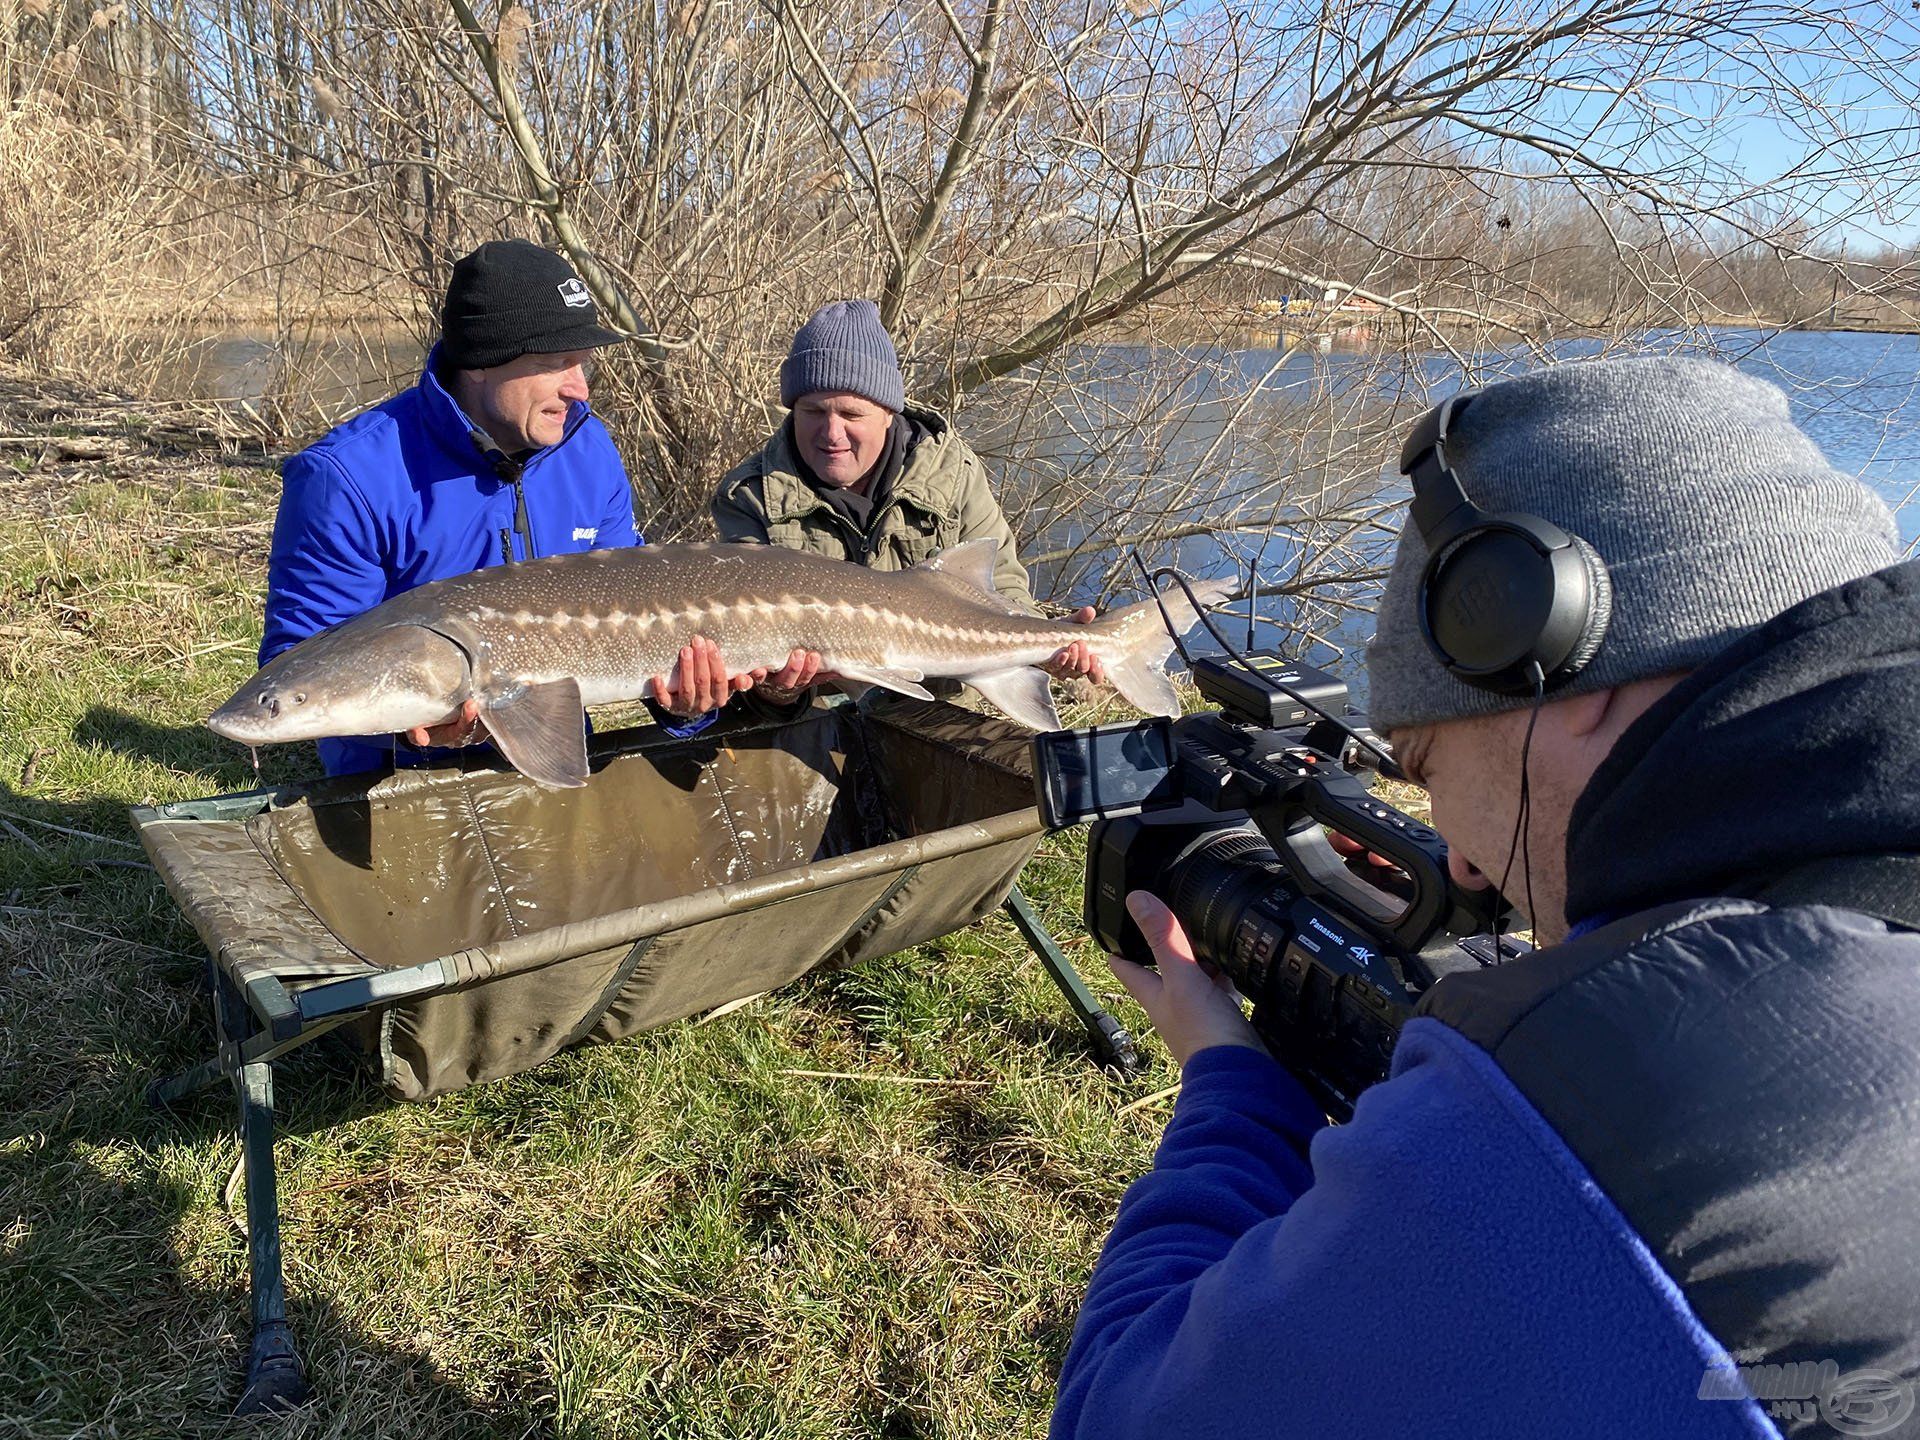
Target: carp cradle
column 462, row 924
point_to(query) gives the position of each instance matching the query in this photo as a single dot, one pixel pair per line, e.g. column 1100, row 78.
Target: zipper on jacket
column 506, row 545
column 511, row 471
column 520, row 518
column 858, row 542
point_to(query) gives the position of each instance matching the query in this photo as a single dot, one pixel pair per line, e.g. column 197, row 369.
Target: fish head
column 349, row 681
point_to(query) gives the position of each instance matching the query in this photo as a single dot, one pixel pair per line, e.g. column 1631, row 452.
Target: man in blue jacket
column 1662, row 1176
column 494, row 456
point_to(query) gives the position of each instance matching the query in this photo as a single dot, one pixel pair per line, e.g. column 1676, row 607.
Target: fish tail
column 1135, row 641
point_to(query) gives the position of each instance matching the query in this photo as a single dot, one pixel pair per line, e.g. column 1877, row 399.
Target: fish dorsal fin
column 1021, row 694
column 542, row 730
column 970, row 562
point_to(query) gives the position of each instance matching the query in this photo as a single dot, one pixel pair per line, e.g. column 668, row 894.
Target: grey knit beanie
column 1712, row 511
column 844, row 347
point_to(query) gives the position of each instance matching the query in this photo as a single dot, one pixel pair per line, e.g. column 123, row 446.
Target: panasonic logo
column 1328, row 931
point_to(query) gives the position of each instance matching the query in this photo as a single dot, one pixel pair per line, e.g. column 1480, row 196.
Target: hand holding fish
column 464, row 728
column 1078, row 658
column 700, row 681
column 804, row 669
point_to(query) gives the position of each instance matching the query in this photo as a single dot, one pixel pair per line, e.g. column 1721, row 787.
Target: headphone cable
column 1523, row 814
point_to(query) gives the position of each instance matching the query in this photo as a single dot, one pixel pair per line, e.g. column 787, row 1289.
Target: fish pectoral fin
column 904, row 682
column 542, row 730
column 1144, row 684
column 1022, row 694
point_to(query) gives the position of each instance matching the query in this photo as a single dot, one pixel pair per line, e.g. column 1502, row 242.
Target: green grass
column 666, row 1237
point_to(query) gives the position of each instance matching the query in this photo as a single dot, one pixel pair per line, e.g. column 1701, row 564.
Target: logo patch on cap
column 574, row 292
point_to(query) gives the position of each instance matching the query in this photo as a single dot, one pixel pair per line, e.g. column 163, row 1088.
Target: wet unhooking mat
column 458, row 926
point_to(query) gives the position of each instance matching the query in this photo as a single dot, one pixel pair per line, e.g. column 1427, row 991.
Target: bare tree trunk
column 143, row 22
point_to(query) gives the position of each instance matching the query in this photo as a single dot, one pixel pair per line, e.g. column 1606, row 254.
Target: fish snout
column 257, row 714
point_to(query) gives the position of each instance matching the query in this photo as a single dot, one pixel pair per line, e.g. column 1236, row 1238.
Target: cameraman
column 1604, row 1180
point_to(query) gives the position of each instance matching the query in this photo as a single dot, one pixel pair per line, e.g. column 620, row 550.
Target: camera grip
column 1323, row 795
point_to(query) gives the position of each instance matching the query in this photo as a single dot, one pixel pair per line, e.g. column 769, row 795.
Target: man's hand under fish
column 700, row 683
column 1078, row 660
column 700, row 680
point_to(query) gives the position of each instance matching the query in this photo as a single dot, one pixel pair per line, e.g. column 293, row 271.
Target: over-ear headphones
column 1507, row 601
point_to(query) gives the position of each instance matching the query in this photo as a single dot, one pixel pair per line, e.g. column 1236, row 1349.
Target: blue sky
column 1817, row 109
column 1762, row 149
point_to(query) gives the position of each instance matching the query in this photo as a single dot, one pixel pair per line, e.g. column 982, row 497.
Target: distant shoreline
column 201, row 367
column 1372, row 331
column 249, row 321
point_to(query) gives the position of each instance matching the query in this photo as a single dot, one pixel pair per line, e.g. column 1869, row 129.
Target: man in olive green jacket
column 936, row 496
column 857, row 474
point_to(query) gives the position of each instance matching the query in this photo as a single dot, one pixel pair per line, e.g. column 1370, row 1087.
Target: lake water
column 1857, row 395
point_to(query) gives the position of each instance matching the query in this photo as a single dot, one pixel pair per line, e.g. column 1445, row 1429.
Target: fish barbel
column 537, row 641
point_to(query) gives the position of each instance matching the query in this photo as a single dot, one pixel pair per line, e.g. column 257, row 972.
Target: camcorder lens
column 1232, row 893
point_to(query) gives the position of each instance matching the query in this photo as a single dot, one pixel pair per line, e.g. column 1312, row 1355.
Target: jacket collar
column 1795, row 743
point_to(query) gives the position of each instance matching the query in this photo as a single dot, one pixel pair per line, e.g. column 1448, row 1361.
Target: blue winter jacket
column 1621, row 1187
column 403, row 494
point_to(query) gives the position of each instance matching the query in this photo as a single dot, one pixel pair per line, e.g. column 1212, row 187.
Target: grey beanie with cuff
column 1713, row 512
column 844, row 347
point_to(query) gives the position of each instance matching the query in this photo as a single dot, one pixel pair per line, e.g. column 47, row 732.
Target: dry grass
column 677, row 1236
column 72, row 227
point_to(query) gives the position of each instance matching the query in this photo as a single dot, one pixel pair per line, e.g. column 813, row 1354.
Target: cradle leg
column 1110, row 1039
column 162, row 1093
column 276, row 1380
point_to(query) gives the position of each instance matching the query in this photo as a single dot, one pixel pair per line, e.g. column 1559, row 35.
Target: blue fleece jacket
column 403, row 494
column 1441, row 1266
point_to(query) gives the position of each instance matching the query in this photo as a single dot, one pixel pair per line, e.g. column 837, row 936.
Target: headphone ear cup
column 1599, row 613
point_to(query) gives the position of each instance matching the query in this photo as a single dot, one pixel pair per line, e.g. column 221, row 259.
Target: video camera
column 1225, row 815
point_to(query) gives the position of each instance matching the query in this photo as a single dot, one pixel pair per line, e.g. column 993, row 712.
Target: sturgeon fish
column 537, row 641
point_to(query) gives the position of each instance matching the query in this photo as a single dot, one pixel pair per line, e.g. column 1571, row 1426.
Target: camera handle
column 1309, row 792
